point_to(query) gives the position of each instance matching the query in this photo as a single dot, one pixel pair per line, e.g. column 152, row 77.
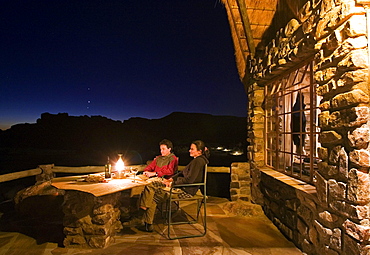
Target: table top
column 97, row 188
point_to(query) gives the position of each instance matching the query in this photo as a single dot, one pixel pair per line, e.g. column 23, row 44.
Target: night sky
column 118, row 59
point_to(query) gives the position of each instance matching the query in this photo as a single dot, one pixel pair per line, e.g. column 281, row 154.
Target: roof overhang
column 253, row 23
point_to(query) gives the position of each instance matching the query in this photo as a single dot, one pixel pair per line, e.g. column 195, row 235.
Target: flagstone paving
column 226, row 234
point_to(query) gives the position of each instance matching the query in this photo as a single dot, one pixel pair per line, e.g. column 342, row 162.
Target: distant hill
column 84, row 140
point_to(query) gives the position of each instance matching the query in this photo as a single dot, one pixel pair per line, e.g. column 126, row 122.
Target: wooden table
column 97, row 189
column 92, row 210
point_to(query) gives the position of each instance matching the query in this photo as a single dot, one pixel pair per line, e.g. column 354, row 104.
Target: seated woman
column 154, row 192
column 165, row 164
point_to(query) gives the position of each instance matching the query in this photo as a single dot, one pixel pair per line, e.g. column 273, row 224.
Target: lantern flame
column 120, row 165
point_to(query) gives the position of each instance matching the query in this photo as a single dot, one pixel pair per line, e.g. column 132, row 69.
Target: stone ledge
column 291, row 181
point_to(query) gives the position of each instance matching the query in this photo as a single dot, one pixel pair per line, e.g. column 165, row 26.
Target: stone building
column 305, row 67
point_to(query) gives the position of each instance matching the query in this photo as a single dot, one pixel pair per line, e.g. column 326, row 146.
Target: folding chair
column 191, row 219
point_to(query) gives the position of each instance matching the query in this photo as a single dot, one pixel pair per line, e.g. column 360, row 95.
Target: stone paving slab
column 227, row 235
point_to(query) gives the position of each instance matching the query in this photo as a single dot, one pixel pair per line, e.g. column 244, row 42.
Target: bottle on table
column 108, row 169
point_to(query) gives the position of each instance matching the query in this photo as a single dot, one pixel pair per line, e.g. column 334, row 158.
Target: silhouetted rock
column 83, row 140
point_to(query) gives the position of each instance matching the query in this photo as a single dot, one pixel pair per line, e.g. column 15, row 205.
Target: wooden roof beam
column 235, row 26
column 246, row 26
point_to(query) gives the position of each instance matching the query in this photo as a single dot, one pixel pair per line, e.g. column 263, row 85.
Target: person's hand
column 167, row 182
column 150, row 174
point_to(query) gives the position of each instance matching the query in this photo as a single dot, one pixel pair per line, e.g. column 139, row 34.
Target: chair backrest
column 203, row 188
column 201, row 185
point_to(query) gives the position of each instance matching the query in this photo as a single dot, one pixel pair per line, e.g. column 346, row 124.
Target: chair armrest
column 187, row 185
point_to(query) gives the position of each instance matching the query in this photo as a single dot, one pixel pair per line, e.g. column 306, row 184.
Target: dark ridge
column 88, row 140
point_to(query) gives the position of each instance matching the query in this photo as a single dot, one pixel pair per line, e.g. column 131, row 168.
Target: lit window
column 291, row 121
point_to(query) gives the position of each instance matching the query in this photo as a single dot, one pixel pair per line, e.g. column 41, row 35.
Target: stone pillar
column 90, row 221
column 240, row 191
column 255, row 126
column 46, row 173
column 240, row 187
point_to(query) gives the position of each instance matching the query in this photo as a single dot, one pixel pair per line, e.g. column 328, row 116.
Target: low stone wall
column 294, row 211
column 316, row 229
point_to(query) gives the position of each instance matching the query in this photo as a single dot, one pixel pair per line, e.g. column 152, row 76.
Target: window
column 291, row 116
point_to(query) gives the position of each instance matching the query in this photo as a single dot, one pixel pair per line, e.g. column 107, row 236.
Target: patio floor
column 239, row 235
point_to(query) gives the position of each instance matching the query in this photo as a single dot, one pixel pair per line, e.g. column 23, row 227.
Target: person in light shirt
column 192, row 173
column 164, row 165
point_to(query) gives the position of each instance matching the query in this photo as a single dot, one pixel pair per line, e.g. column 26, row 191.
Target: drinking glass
column 134, row 171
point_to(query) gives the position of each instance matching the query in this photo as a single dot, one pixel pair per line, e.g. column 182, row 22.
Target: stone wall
column 240, row 192
column 336, row 218
column 240, row 182
column 90, row 221
column 292, row 208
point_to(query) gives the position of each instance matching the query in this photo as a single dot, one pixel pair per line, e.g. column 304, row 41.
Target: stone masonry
column 90, row 221
column 240, row 182
column 240, row 192
column 336, row 218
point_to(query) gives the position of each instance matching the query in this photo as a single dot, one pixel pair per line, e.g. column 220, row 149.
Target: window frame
column 281, row 153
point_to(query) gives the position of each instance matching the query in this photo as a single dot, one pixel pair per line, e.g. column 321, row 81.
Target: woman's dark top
column 193, row 173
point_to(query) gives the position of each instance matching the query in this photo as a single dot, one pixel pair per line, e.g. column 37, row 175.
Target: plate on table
column 96, row 178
